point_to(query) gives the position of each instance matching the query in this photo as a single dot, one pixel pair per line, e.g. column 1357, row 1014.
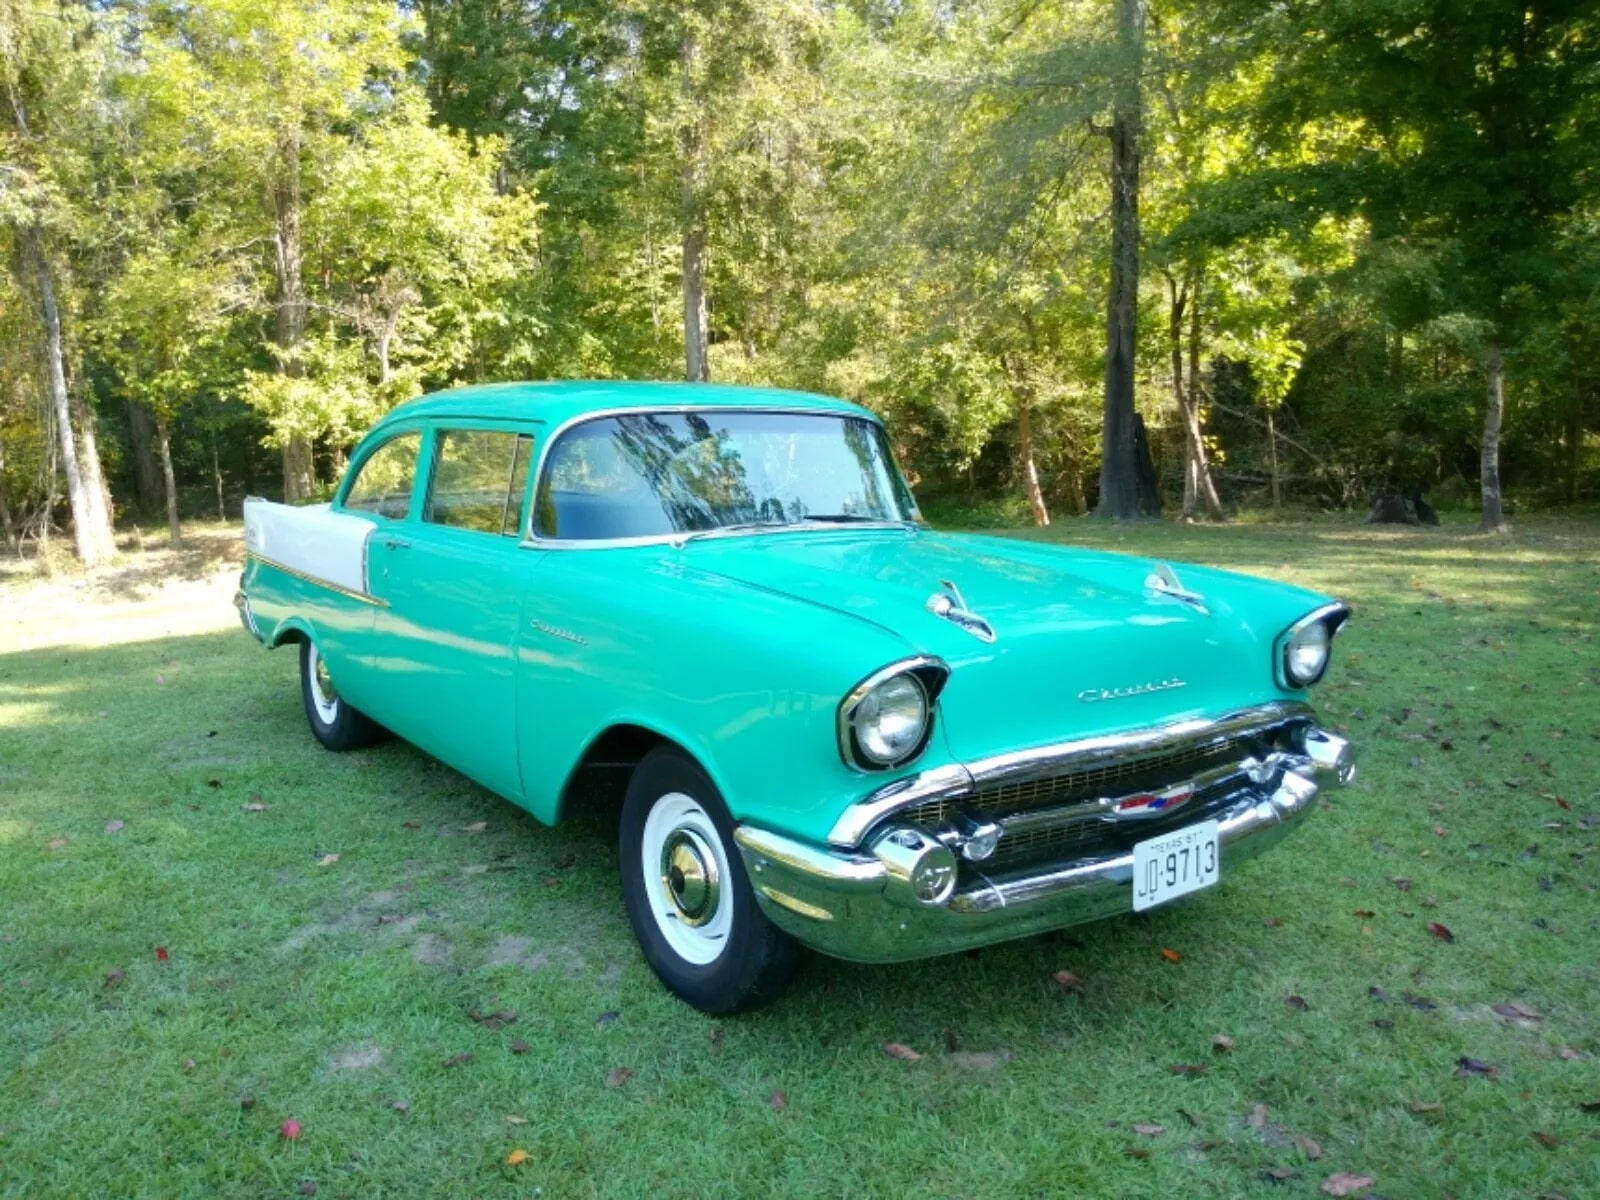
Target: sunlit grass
column 1469, row 680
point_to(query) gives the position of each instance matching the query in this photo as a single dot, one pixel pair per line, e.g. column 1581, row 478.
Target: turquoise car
column 825, row 724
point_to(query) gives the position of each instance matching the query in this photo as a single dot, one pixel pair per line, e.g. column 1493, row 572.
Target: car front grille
column 1088, row 832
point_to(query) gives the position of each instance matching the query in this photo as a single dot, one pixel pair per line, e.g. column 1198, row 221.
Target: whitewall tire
column 333, row 721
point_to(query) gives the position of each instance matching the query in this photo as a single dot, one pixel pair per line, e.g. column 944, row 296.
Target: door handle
column 396, row 543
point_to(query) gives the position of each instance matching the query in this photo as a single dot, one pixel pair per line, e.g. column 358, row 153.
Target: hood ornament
column 950, row 605
column 1164, row 580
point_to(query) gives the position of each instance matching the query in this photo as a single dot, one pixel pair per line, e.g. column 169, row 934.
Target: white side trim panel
column 312, row 540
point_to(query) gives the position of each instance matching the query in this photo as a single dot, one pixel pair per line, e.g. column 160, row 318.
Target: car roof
column 556, row 403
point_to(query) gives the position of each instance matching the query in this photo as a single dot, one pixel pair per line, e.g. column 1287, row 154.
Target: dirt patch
column 431, row 950
column 361, row 1057
column 516, row 951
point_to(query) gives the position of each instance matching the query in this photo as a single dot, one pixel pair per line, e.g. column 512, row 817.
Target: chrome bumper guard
column 879, row 905
column 246, row 617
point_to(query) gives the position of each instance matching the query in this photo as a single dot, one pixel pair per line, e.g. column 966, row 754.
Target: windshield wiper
column 690, row 535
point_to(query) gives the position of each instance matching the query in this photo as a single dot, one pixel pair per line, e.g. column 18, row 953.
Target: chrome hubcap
column 689, row 874
column 324, row 682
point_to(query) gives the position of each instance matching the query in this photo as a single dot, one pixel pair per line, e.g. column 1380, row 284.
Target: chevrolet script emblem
column 1095, row 695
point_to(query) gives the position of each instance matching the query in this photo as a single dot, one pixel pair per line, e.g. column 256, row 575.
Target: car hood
column 1082, row 646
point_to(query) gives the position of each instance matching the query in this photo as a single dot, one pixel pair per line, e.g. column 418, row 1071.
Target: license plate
column 1174, row 865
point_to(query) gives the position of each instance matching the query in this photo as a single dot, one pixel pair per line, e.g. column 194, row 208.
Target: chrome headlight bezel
column 925, row 673
column 1320, row 625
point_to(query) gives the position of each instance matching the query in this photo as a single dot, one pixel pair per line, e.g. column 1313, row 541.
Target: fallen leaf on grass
column 1442, row 932
column 161, row 954
column 777, row 1102
column 1221, row 1042
column 1171, row 955
column 457, row 1060
column 1401, row 882
column 1426, row 1106
column 1279, row 1174
column 1307, row 1146
column 113, row 978
column 1069, row 981
column 1420, row 1003
column 1364, row 913
column 327, row 860
column 1569, row 1054
column 1272, row 922
column 1150, row 1130
column 400, row 1106
column 1346, row 1183
column 1467, row 1068
column 1517, row 1010
column 246, row 1103
column 255, row 806
column 1548, row 1140
column 513, row 1119
column 1440, row 831
column 410, row 824
column 1189, row 1069
column 115, row 826
column 56, row 844
column 519, row 1046
column 606, row 1020
column 516, row 1158
column 1298, row 1003
column 1135, row 1152
column 901, row 1051
column 289, row 1131
column 1258, row 1117
column 308, row 1187
column 498, row 1019
column 1430, row 902
column 188, row 1066
column 618, row 1076
column 476, row 827
column 390, row 918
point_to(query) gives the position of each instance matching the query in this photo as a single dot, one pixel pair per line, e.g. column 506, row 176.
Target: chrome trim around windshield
column 533, row 540
column 955, row 779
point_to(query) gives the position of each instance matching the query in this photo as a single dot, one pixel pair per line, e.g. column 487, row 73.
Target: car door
column 452, row 581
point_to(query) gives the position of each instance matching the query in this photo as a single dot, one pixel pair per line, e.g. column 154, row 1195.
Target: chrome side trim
column 322, row 583
column 532, row 540
column 955, row 779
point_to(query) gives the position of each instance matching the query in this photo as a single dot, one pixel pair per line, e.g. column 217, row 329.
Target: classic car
column 718, row 611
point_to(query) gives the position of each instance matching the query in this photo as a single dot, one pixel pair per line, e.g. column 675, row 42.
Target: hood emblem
column 1095, row 695
column 1164, row 579
column 950, row 605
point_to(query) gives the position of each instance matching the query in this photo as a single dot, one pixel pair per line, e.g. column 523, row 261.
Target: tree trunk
column 1494, row 518
column 692, row 215
column 216, row 477
column 291, row 308
column 1177, row 304
column 88, row 545
column 147, row 471
column 168, row 479
column 1030, row 466
column 1574, row 447
column 1272, row 463
column 94, row 483
column 7, row 525
column 1119, row 476
column 1195, row 435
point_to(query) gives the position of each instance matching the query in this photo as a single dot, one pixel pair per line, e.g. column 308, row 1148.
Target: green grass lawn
column 180, row 974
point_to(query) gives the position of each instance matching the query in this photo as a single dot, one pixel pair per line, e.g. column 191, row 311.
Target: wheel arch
column 290, row 630
column 595, row 786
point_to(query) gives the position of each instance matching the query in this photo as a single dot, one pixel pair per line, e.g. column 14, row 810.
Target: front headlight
column 1304, row 648
column 885, row 720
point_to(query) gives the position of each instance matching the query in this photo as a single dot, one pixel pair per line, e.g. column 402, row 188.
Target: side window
column 478, row 480
column 384, row 483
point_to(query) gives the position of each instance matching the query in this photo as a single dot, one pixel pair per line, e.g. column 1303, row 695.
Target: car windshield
column 663, row 473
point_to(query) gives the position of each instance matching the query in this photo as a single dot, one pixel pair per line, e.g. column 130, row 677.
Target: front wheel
column 687, row 894
column 333, row 722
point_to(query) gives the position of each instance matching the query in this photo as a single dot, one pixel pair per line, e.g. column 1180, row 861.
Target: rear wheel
column 333, row 722
column 687, row 894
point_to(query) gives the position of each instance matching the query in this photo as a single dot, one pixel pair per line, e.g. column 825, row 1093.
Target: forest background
column 1302, row 251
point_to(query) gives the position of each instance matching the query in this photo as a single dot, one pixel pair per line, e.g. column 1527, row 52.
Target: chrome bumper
column 246, row 617
column 852, row 905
